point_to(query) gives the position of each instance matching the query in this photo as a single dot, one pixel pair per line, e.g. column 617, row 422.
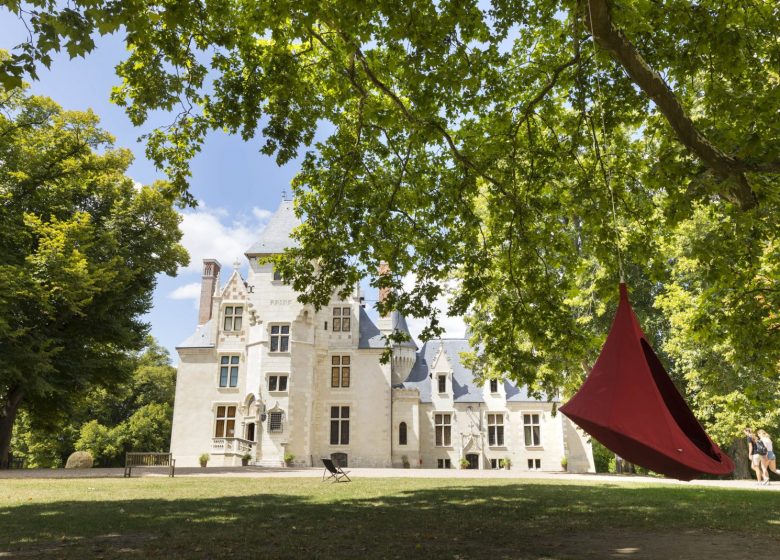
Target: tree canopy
column 81, row 247
column 107, row 421
column 489, row 141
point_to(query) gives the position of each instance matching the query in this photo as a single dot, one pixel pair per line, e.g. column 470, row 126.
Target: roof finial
column 236, row 264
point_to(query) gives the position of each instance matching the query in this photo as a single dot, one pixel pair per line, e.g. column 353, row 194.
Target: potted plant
column 288, row 459
column 565, row 463
column 464, row 463
column 245, row 458
column 204, row 459
column 405, row 461
column 506, row 463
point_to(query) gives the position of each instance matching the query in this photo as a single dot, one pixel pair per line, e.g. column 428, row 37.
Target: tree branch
column 623, row 51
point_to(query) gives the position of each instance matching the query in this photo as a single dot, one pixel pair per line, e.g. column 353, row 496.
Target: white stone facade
column 264, row 377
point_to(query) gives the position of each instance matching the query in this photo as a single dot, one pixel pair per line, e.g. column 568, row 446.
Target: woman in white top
column 770, row 459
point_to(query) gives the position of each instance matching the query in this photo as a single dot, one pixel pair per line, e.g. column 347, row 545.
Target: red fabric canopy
column 629, row 404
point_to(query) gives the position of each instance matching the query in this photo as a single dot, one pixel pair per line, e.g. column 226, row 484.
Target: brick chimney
column 208, row 284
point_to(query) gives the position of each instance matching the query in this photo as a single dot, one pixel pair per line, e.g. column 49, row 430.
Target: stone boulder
column 79, row 460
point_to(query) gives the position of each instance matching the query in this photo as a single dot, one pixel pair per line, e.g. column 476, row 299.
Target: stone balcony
column 231, row 446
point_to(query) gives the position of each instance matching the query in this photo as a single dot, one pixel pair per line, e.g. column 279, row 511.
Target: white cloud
column 211, row 233
column 454, row 327
column 188, row 291
column 261, row 213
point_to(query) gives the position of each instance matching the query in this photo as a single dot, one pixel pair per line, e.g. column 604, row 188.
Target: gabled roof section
column 275, row 238
column 201, row 338
column 235, row 287
column 464, row 388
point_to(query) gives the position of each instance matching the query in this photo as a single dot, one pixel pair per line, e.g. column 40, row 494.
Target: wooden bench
column 142, row 460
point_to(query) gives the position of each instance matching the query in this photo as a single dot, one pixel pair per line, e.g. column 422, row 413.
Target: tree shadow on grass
column 355, row 521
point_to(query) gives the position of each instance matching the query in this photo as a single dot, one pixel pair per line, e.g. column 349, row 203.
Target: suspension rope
column 606, row 167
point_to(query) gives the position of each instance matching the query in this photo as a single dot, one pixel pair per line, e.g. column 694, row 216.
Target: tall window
column 531, row 428
column 277, row 276
column 341, row 319
column 443, row 424
column 339, row 371
column 402, row 433
column 494, row 385
column 275, row 421
column 442, row 383
column 226, row 422
column 496, row 429
column 277, row 383
column 280, row 338
column 233, row 315
column 228, row 371
column 339, row 425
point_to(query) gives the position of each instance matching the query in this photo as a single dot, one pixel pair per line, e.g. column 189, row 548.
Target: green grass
column 369, row 518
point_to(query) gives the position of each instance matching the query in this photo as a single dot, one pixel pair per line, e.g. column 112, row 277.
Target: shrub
column 603, row 458
column 79, row 460
column 288, row 458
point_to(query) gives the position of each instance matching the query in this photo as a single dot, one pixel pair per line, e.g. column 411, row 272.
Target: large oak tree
column 81, row 245
column 491, row 140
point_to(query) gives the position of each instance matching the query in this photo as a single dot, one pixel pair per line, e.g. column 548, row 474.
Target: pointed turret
column 276, row 237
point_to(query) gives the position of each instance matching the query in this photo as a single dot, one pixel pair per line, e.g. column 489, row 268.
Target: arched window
column 402, row 433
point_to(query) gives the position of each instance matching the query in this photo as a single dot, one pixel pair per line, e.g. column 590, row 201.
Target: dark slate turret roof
column 275, row 238
column 370, row 335
column 464, row 388
column 398, row 321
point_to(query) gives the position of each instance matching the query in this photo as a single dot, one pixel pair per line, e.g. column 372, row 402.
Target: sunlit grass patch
column 369, row 518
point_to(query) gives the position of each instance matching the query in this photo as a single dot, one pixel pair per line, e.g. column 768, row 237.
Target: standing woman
column 770, row 461
column 755, row 458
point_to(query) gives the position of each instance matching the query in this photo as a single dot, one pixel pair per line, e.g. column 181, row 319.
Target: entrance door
column 473, row 460
column 250, row 431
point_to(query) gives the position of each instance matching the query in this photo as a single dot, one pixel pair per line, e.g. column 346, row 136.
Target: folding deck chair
column 332, row 471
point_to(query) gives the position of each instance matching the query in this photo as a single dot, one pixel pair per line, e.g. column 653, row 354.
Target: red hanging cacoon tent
column 629, row 404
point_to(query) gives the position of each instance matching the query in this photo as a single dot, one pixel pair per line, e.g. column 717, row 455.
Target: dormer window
column 442, row 378
column 341, row 319
column 233, row 314
column 494, row 385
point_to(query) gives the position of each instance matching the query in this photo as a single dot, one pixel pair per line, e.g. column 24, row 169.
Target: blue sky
column 237, row 187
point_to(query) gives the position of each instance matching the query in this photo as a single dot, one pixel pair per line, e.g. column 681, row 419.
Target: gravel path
column 314, row 472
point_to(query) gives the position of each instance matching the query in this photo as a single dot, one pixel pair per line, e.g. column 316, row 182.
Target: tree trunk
column 7, row 418
column 738, row 452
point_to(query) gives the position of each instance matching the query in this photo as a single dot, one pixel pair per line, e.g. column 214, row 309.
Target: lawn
column 154, row 518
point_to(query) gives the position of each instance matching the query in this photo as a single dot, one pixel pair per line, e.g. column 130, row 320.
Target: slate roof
column 202, row 338
column 463, row 386
column 370, row 335
column 275, row 237
column 398, row 321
